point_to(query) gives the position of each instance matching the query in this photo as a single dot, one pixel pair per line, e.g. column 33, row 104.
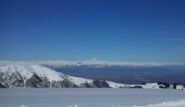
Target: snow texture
column 116, row 85
column 179, row 103
column 83, row 97
column 78, row 81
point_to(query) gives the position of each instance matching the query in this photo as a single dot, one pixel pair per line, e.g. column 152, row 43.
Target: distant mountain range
column 39, row 76
column 125, row 73
column 120, row 72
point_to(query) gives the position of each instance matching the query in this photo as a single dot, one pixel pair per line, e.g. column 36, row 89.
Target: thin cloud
column 93, row 62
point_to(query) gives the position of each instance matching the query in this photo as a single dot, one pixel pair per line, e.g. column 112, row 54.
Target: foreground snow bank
column 180, row 103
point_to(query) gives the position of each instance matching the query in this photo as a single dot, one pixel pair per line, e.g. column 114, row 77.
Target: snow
column 91, row 97
column 179, row 103
column 23, row 106
column 151, row 85
column 146, row 86
column 78, row 81
column 27, row 70
column 115, row 85
column 180, row 87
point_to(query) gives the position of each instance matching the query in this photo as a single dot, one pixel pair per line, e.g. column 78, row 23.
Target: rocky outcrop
column 36, row 82
column 2, row 86
column 101, row 84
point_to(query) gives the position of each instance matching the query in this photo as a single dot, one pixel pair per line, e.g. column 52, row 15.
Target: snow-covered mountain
column 31, row 76
column 39, row 76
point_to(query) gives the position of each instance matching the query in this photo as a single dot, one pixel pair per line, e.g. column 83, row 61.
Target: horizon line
column 94, row 61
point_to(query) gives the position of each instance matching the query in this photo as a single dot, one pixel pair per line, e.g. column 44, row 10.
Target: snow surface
column 180, row 87
column 78, row 81
column 179, row 103
column 151, row 85
column 116, row 85
column 83, row 97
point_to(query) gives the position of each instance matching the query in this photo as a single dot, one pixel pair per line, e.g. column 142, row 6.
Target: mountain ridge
column 38, row 76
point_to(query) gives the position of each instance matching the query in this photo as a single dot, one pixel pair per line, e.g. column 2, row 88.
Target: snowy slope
column 27, row 71
column 116, row 85
column 30, row 75
column 78, row 81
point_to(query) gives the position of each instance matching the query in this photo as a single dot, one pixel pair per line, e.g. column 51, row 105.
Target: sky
column 124, row 30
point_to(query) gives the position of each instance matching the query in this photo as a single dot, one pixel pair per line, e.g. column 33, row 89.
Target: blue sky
column 126, row 30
